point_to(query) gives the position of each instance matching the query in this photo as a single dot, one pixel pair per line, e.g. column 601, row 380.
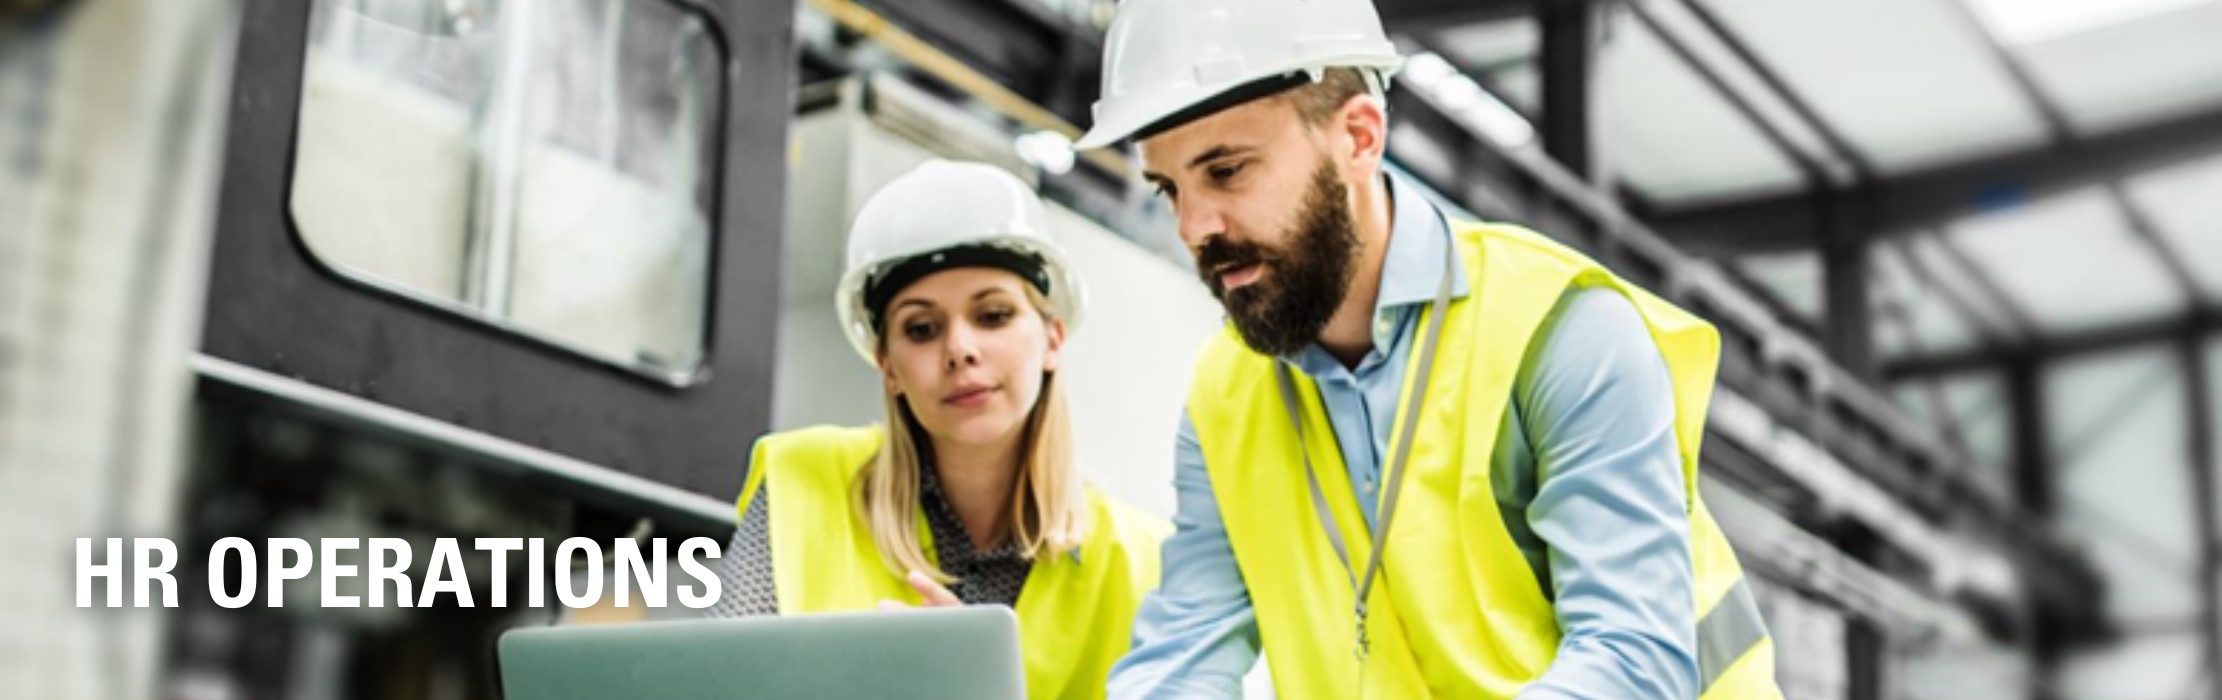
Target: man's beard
column 1280, row 313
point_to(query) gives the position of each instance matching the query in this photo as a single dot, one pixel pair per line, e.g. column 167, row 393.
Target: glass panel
column 1914, row 398
column 2116, row 427
column 1978, row 405
column 1675, row 19
column 1521, row 85
column 1489, row 45
column 2159, row 666
column 1813, row 657
column 2026, row 21
column 1939, row 269
column 2157, row 66
column 546, row 167
column 2070, row 262
column 1959, row 669
column 1906, row 294
column 1970, row 411
column 2181, row 202
column 1792, row 278
column 1675, row 138
column 1909, row 82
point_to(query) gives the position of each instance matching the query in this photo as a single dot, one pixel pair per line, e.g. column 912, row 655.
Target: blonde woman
column 968, row 493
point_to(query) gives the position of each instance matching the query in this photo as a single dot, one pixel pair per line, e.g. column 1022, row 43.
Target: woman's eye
column 995, row 318
column 919, row 331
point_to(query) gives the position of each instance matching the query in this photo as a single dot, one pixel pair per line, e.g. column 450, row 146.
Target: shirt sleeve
column 1611, row 506
column 1196, row 635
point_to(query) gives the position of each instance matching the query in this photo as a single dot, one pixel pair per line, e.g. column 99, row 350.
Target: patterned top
column 993, row 577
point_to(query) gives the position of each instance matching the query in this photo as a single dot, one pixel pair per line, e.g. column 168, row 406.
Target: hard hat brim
column 1067, row 293
column 1171, row 109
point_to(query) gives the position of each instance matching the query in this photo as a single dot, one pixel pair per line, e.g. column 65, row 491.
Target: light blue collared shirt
column 1605, row 525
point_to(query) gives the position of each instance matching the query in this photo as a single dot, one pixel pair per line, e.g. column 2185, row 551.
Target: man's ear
column 1363, row 124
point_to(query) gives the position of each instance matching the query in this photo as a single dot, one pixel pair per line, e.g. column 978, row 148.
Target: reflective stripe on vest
column 1459, row 611
column 1075, row 613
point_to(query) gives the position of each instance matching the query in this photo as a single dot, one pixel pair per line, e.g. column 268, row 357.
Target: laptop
column 967, row 653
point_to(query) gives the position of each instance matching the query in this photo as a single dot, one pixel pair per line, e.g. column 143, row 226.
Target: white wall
column 1130, row 363
column 107, row 208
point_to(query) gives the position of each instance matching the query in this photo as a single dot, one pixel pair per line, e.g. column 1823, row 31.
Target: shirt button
column 1381, row 327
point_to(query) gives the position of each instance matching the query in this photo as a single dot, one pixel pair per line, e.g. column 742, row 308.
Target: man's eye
column 1222, row 173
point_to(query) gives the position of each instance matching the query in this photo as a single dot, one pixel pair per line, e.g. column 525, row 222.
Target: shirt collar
column 942, row 520
column 1419, row 238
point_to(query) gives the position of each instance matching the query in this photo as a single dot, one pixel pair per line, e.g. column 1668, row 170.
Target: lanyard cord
column 1361, row 587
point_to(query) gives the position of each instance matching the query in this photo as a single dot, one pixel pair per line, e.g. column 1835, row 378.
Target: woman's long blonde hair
column 1048, row 509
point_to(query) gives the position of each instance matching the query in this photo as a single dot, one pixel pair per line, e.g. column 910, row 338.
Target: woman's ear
column 887, row 377
column 1055, row 329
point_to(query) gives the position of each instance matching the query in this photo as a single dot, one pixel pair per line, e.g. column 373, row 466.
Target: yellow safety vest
column 1075, row 613
column 1457, row 612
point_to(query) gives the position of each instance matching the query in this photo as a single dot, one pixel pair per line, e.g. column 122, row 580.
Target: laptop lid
column 968, row 653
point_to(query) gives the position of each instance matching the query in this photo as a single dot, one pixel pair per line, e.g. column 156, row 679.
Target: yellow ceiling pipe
column 941, row 65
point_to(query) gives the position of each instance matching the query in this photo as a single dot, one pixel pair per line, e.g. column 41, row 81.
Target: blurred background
column 545, row 268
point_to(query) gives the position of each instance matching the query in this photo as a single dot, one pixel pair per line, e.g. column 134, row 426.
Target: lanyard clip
column 1364, row 645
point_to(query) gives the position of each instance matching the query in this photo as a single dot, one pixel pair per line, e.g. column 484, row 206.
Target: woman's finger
column 934, row 595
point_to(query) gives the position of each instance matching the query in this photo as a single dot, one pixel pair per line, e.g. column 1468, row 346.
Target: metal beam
column 2199, row 413
column 1846, row 251
column 1573, row 32
column 2142, row 227
column 2069, row 450
column 2203, row 322
column 1846, row 257
column 1863, row 168
column 2031, row 452
column 2022, row 322
column 2032, row 476
column 1786, row 376
column 1486, row 75
column 1809, row 170
column 1991, row 336
column 1866, row 650
column 1426, row 15
column 1904, row 203
column 2048, row 110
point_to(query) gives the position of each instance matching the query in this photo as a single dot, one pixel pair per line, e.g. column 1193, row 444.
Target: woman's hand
column 932, row 593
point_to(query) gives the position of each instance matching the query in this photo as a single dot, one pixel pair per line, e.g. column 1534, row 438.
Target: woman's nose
column 961, row 350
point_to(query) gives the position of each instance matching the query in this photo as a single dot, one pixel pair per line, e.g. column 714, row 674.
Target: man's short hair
column 1317, row 101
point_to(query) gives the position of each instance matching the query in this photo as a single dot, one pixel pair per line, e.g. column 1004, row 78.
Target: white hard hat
column 941, row 215
column 1168, row 61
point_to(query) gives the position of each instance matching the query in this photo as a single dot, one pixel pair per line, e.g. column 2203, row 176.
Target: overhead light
column 1464, row 101
column 1048, row 150
column 2032, row 21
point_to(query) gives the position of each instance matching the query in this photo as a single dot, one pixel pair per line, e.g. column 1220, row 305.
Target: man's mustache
column 1218, row 252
